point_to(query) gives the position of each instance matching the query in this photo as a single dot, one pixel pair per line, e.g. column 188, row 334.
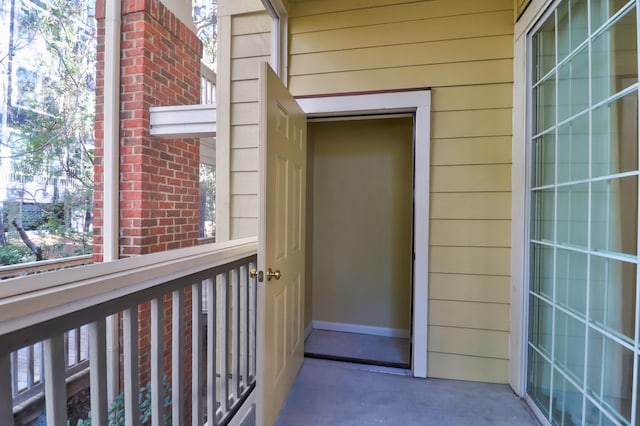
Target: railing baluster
column 6, row 397
column 235, row 335
column 197, row 414
column 211, row 351
column 224, row 339
column 55, row 392
column 98, row 372
column 14, row 372
column 30, row 363
column 130, row 350
column 177, row 359
column 66, row 350
column 254, row 323
column 157, row 361
column 244, row 326
column 76, row 345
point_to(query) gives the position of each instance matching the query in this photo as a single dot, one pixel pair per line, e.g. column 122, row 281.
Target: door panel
column 281, row 237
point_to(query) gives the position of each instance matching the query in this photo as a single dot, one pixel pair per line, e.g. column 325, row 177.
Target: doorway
column 359, row 254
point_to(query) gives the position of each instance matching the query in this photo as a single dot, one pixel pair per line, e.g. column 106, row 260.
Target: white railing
column 219, row 329
column 207, row 85
column 22, row 269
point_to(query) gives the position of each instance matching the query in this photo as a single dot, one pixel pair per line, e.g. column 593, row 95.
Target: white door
column 281, row 246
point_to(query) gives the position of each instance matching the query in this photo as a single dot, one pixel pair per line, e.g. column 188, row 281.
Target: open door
column 281, row 245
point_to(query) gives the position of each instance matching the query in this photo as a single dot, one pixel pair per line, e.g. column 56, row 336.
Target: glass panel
column 614, row 218
column 573, row 215
column 615, row 137
column 544, row 97
column 572, row 26
column 573, row 85
column 613, row 296
column 602, row 10
column 614, row 59
column 540, row 328
column 542, row 215
column 542, row 270
column 567, row 402
column 573, row 150
column 544, row 49
column 571, row 280
column 593, row 416
column 569, row 345
column 610, row 374
column 539, row 381
column 544, row 153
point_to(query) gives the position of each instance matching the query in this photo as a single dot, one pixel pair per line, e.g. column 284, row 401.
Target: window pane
column 544, row 49
column 545, row 105
column 568, row 347
column 573, row 86
column 614, row 210
column 573, row 150
column 593, row 416
column 573, row 208
column 544, row 163
column 540, row 330
column 542, row 215
column 612, row 298
column 602, row 10
column 615, row 137
column 614, row 61
column 610, row 374
column 539, row 381
column 572, row 26
column 567, row 402
column 542, row 270
column 571, row 280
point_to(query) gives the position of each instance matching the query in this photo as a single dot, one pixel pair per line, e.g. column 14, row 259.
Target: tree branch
column 37, row 250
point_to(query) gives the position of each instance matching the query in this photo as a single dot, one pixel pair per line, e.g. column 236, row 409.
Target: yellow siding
column 250, row 45
column 463, row 50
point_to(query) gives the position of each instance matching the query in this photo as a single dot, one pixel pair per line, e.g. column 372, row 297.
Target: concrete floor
column 330, row 393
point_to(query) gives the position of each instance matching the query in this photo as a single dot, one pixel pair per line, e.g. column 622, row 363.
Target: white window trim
column 519, row 198
column 417, row 102
column 279, row 37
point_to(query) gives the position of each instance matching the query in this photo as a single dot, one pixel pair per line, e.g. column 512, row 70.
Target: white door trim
column 417, row 102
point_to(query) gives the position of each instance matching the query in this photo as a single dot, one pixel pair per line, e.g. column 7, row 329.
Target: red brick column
column 159, row 178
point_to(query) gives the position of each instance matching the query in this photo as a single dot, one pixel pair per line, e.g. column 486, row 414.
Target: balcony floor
column 330, row 393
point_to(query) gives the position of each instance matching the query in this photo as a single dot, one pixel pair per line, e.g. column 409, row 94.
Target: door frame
column 418, row 103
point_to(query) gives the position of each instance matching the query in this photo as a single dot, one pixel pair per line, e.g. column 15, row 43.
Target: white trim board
column 361, row 329
column 417, row 102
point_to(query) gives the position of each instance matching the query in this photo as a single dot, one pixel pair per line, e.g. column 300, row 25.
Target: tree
column 52, row 116
column 205, row 18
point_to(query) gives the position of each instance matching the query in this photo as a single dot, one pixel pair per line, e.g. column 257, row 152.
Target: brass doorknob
column 273, row 274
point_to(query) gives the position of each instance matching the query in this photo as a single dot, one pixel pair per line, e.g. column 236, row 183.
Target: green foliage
column 206, row 21
column 51, row 139
column 13, row 254
column 207, row 200
column 116, row 409
column 56, row 129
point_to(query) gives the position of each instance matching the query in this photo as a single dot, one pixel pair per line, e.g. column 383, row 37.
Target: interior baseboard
column 362, row 329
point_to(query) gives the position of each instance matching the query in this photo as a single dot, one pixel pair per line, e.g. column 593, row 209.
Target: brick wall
column 159, row 178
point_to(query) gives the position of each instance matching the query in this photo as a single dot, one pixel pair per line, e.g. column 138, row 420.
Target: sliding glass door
column 583, row 337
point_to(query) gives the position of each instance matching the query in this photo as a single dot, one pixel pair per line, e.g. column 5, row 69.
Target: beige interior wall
column 463, row 50
column 361, row 240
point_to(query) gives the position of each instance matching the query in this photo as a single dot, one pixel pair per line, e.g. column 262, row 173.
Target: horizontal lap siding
column 463, row 50
column 250, row 45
